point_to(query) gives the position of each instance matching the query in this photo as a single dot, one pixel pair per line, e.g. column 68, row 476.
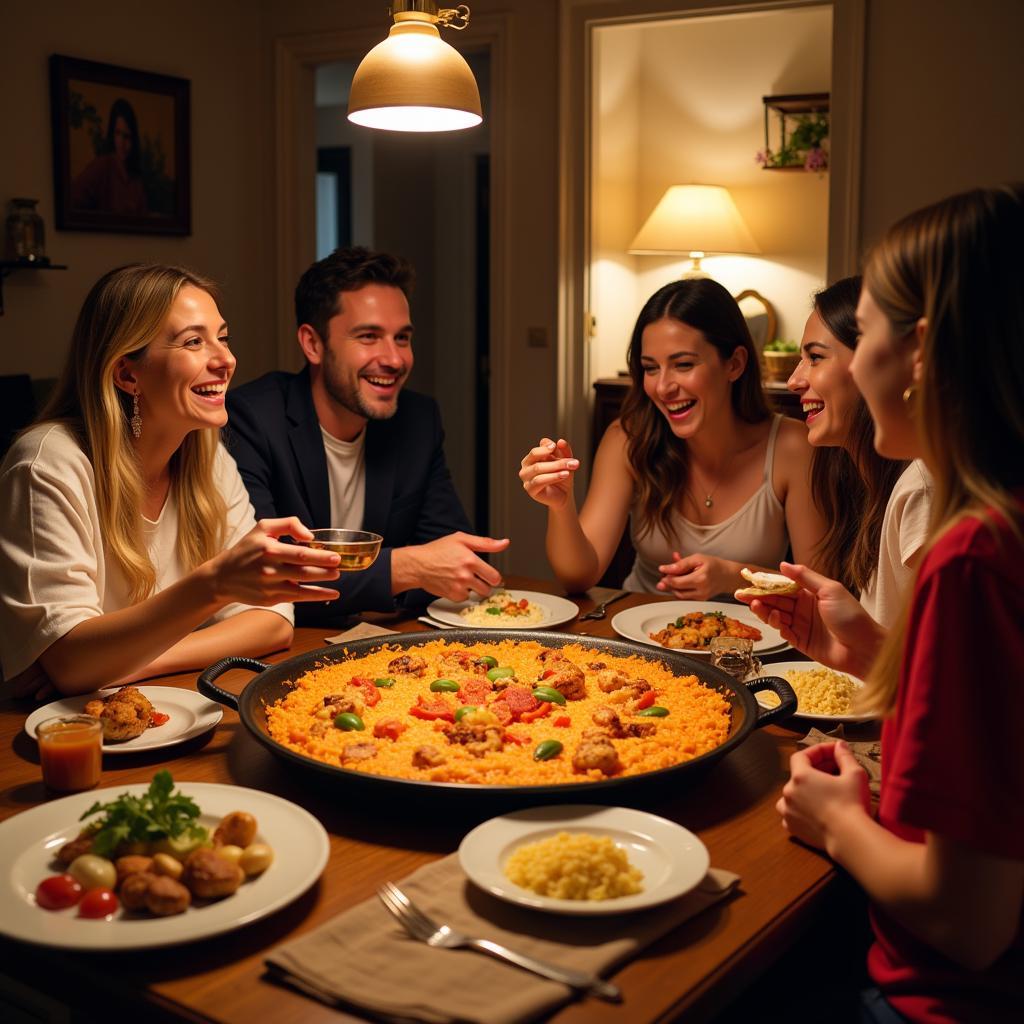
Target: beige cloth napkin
column 364, row 959
column 867, row 752
column 358, row 631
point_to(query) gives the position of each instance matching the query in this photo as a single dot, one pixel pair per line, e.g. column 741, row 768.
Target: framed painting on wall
column 120, row 149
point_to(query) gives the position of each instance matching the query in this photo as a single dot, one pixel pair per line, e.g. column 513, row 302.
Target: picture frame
column 121, row 149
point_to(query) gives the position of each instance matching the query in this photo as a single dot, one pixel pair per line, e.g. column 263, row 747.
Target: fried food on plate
column 125, row 714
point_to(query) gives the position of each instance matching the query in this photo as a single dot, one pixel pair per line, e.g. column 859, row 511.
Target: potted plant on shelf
column 780, row 359
column 805, row 148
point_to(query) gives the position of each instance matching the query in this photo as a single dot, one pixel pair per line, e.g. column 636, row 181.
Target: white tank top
column 754, row 534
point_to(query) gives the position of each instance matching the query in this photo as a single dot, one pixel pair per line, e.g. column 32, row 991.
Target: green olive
column 349, row 722
column 500, row 673
column 444, row 686
column 548, row 693
column 546, row 750
column 488, row 661
column 463, row 711
column 384, row 684
column 653, row 712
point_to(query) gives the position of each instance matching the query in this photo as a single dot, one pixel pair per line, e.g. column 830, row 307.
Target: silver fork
column 421, row 927
column 601, row 610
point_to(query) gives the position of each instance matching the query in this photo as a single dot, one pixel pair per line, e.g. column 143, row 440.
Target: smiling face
column 368, row 353
column 828, row 394
column 685, row 377
column 883, row 367
column 182, row 375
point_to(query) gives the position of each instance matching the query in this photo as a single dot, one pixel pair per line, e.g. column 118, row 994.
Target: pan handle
column 206, row 686
column 782, row 689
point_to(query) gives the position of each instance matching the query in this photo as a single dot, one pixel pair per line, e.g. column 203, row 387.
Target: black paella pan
column 275, row 681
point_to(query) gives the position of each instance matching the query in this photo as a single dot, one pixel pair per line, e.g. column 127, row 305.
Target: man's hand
column 448, row 567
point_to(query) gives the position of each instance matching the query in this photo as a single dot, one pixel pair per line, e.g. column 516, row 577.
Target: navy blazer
column 274, row 435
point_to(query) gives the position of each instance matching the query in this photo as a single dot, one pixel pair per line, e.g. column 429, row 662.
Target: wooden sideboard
column 609, row 393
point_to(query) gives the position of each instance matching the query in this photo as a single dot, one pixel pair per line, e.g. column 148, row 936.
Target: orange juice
column 71, row 752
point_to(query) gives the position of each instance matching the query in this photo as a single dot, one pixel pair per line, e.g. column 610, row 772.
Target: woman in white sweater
column 127, row 526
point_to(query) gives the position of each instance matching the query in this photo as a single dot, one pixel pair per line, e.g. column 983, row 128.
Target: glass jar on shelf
column 26, row 238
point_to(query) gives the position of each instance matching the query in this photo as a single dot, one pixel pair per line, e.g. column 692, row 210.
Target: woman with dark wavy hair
column 709, row 479
column 876, row 508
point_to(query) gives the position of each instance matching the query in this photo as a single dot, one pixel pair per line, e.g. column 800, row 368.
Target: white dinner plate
column 638, row 623
column 556, row 611
column 673, row 860
column 29, row 842
column 191, row 714
column 780, row 668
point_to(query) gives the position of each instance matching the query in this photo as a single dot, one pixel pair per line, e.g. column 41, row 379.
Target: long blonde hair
column 959, row 264
column 122, row 314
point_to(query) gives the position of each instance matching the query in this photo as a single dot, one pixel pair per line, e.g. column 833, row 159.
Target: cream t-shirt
column 904, row 531
column 346, row 474
column 54, row 567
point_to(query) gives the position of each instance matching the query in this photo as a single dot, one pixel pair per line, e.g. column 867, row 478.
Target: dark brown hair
column 850, row 485
column 659, row 462
column 318, row 293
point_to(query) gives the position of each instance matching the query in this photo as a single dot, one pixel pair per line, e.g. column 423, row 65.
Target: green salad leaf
column 160, row 812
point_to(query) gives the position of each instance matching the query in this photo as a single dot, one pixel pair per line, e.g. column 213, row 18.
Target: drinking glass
column 70, row 752
column 357, row 549
column 734, row 655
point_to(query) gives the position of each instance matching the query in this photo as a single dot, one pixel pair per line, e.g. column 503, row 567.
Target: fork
column 601, row 610
column 421, row 927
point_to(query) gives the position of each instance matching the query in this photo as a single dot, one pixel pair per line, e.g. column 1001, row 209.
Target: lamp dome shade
column 414, row 81
column 694, row 218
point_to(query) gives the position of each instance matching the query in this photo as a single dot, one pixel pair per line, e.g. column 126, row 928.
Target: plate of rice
column 823, row 695
column 582, row 859
column 506, row 609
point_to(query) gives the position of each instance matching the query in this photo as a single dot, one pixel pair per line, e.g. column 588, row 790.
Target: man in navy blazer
column 341, row 444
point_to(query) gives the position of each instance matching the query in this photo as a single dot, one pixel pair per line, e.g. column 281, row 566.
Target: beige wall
column 671, row 108
column 216, row 46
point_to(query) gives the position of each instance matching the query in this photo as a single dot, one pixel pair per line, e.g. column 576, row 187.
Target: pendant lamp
column 414, row 81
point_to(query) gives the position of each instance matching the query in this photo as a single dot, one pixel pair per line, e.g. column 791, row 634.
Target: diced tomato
column 98, row 903
column 371, row 694
column 547, row 673
column 157, row 718
column 518, row 740
column 538, row 712
column 432, row 709
column 389, row 729
column 524, row 603
column 501, row 711
column 519, row 700
column 562, row 721
column 58, row 892
column 475, row 691
column 645, row 701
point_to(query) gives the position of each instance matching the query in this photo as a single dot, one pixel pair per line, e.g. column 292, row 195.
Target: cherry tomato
column 98, row 903
column 58, row 892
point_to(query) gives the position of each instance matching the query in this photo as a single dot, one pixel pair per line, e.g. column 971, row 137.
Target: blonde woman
column 940, row 364
column 126, row 524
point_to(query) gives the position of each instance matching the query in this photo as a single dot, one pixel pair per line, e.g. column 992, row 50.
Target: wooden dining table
column 694, row 971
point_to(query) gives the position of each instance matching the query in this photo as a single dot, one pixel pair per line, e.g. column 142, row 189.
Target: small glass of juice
column 71, row 752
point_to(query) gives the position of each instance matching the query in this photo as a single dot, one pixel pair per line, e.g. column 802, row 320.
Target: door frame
column 578, row 19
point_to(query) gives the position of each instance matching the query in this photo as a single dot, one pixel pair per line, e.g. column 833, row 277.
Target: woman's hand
column 825, row 783
column 823, row 620
column 547, row 473
column 697, row 577
column 259, row 570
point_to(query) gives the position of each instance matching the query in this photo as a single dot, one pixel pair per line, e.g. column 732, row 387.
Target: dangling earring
column 136, row 420
column 909, row 394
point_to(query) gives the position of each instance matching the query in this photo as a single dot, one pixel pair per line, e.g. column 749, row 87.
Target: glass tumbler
column 71, row 752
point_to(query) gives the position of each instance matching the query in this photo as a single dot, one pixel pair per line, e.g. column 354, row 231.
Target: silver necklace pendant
column 708, row 502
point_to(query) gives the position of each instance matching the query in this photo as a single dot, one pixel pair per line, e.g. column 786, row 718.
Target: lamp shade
column 694, row 218
column 414, row 81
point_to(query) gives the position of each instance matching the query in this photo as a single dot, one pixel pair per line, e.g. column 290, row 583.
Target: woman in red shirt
column 941, row 366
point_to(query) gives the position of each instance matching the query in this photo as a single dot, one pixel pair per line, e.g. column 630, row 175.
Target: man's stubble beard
column 346, row 394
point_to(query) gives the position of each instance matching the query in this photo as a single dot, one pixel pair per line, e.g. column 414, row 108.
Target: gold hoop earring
column 136, row 420
column 909, row 394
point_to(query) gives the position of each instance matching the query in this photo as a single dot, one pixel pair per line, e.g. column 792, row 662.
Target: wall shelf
column 804, row 111
column 10, row 266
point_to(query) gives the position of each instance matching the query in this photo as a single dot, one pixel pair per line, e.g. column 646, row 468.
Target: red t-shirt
column 952, row 758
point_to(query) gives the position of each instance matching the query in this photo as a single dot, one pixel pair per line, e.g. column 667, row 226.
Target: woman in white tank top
column 709, row 479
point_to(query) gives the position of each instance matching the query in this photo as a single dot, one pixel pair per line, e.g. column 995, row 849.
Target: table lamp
column 694, row 220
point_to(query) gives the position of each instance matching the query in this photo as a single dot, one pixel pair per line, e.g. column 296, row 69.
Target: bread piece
column 763, row 584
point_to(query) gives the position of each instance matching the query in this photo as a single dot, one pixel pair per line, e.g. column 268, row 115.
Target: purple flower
column 763, row 156
column 816, row 159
